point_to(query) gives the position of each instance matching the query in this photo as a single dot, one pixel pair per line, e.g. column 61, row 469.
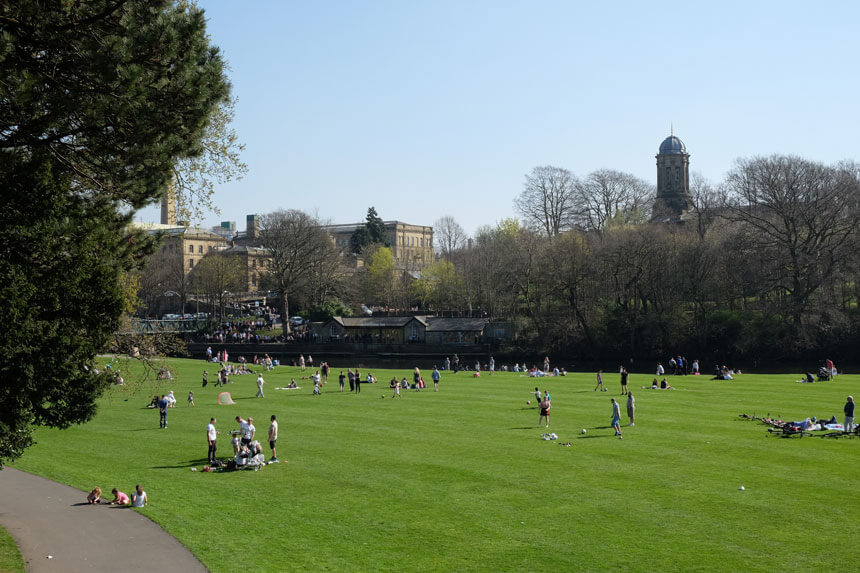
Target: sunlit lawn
column 461, row 479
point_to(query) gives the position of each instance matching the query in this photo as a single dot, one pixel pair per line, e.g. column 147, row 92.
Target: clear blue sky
column 430, row 108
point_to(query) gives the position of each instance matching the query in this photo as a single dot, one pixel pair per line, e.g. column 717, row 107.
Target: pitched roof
column 377, row 322
column 435, row 324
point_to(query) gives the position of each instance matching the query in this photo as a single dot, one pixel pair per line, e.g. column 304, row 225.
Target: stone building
column 674, row 200
column 411, row 245
column 184, row 246
column 254, row 261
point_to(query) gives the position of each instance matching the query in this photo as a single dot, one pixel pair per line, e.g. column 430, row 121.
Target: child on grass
column 119, row 498
column 95, row 496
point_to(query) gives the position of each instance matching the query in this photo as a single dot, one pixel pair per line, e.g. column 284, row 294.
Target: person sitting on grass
column 95, row 496
column 293, row 384
column 655, row 385
column 119, row 498
column 154, row 402
column 664, row 385
column 138, row 497
column 393, row 382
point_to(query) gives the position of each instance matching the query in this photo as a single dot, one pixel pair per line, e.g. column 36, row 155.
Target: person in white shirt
column 260, row 383
column 273, row 439
column 211, row 437
column 247, row 430
column 138, row 497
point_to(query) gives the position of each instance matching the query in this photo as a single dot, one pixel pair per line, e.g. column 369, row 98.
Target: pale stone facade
column 411, row 245
column 673, row 201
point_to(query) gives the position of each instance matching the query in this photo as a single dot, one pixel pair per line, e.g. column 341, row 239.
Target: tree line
column 763, row 267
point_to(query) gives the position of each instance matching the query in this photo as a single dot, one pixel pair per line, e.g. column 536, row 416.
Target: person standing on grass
column 273, row 438
column 616, row 417
column 260, row 383
column 624, row 375
column 205, row 378
column 247, row 430
column 545, row 407
column 357, row 381
column 849, row 415
column 492, row 365
column 631, row 407
column 190, row 398
column 436, row 377
column 162, row 412
column 211, row 439
column 600, row 382
column 341, row 379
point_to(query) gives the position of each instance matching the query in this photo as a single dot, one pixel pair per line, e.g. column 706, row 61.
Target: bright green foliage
column 331, row 307
column 97, row 102
column 10, row 558
column 378, row 277
column 440, row 287
column 372, row 233
column 460, row 480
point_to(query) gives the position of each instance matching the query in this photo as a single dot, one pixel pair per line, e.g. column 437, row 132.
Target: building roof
column 179, row 231
column 351, row 227
column 377, row 322
column 238, row 249
column 672, row 146
column 435, row 324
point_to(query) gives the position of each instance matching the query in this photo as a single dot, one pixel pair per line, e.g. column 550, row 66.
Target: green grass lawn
column 461, row 479
column 10, row 557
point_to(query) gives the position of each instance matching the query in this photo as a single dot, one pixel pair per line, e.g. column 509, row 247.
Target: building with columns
column 674, row 200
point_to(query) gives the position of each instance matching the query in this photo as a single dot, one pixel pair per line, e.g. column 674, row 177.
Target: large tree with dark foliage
column 371, row 233
column 98, row 102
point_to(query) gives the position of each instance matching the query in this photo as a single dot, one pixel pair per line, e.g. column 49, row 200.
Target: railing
column 139, row 326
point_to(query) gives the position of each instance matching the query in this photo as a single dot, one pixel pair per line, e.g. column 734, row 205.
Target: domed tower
column 673, row 200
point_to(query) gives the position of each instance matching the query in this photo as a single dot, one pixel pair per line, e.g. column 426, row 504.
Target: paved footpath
column 48, row 519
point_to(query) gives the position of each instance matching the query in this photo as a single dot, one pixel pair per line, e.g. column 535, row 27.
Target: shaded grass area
column 460, row 479
column 10, row 558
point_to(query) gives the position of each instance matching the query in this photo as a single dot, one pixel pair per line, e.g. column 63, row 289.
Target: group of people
column 243, row 440
column 138, row 497
column 616, row 413
column 679, row 366
column 662, row 385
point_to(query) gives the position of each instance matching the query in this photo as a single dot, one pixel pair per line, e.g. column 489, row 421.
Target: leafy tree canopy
column 98, row 101
column 372, row 233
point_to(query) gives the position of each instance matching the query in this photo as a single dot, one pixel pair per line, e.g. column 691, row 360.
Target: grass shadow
column 188, row 464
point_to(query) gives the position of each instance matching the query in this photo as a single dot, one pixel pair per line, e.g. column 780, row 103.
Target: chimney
column 251, row 227
column 168, row 206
